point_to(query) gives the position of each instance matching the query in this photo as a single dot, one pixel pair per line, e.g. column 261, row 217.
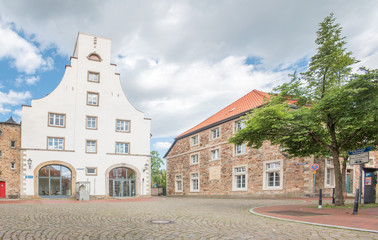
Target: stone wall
column 11, row 177
column 216, row 176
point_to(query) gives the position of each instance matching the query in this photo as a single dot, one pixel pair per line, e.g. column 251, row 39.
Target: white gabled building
column 86, row 130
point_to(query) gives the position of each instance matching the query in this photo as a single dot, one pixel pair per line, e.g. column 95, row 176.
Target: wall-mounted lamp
column 145, row 167
column 30, row 163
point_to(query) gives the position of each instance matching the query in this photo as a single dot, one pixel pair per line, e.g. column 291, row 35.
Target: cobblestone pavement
column 194, row 218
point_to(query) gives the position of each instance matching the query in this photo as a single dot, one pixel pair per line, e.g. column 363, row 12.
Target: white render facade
column 86, row 130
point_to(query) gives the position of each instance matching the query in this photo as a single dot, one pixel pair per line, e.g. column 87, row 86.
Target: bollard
column 333, row 196
column 355, row 208
column 320, row 199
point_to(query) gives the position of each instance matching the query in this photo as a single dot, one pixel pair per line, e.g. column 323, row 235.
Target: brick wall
column 11, row 177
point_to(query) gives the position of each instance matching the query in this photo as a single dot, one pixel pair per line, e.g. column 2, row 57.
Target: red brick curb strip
column 311, row 223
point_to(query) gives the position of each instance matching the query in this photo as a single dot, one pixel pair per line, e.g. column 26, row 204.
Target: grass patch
column 360, row 206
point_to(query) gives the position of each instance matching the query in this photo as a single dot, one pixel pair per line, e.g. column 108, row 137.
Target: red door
column 2, row 189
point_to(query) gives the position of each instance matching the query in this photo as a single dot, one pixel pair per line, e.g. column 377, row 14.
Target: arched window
column 94, row 57
column 54, row 181
column 121, row 182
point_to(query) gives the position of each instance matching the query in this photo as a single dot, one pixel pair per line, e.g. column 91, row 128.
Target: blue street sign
column 359, row 151
column 28, row 176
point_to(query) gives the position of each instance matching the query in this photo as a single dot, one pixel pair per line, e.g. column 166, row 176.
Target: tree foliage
column 158, row 175
column 334, row 110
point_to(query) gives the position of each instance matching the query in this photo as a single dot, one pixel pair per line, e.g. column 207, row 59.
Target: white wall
column 70, row 98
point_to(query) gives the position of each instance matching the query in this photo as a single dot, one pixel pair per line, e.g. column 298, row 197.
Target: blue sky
column 180, row 61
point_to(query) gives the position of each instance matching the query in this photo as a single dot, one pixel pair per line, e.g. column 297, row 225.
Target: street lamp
column 29, row 163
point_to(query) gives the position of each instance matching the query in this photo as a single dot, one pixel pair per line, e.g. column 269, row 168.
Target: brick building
column 10, row 142
column 202, row 162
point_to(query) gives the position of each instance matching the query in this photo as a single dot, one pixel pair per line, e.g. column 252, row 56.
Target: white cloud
column 182, row 61
column 162, row 145
column 12, row 98
column 178, row 96
column 24, row 55
column 29, row 80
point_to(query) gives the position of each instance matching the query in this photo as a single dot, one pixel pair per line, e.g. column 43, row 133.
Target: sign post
column 314, row 167
column 359, row 156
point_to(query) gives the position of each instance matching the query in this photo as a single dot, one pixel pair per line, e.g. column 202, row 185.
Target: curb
column 310, row 223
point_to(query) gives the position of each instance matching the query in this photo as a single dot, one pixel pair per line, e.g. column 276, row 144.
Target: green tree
column 158, row 175
column 334, row 111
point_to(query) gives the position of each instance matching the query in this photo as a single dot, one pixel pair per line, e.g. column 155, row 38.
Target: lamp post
column 29, row 163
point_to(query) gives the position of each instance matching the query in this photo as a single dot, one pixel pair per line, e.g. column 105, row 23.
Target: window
column 0, row 154
column 272, row 178
column 214, row 154
column 178, row 183
column 122, row 148
column 240, row 149
column 240, row 124
column 91, row 146
column 13, row 166
column 13, row 144
column 122, row 126
column 194, row 182
column 57, row 120
column 92, row 99
column 214, row 133
column 194, row 140
column 91, row 122
column 239, row 178
column 54, row 143
column 91, row 171
column 329, row 181
column 194, row 159
column 93, row 77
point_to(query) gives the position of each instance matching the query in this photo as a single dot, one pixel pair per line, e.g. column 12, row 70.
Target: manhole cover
column 160, row 221
column 297, row 213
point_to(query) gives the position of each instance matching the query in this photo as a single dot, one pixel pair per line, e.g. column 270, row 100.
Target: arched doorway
column 121, row 182
column 54, row 181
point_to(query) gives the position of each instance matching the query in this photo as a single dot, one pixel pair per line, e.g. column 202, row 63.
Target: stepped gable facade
column 85, row 133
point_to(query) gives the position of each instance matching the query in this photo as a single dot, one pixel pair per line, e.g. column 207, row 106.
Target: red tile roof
column 249, row 101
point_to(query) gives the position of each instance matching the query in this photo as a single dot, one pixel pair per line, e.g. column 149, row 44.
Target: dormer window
column 94, row 57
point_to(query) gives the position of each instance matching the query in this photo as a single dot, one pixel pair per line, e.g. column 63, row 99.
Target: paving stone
column 194, row 218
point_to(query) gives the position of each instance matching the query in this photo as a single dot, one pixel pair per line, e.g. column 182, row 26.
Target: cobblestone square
column 193, row 218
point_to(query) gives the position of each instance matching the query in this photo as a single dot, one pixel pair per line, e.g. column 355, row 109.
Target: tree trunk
column 339, row 198
column 343, row 175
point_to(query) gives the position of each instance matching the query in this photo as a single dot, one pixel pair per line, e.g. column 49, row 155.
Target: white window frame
column 213, row 155
column 92, row 78
column 122, row 125
column 267, row 170
column 194, row 143
column 89, row 126
column 194, row 157
column 178, row 182
column 55, row 142
column 193, row 179
column 56, row 120
column 87, row 147
column 240, row 149
column 124, row 144
column 329, row 174
column 91, row 100
column 238, row 125
column 215, row 133
column 239, row 172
